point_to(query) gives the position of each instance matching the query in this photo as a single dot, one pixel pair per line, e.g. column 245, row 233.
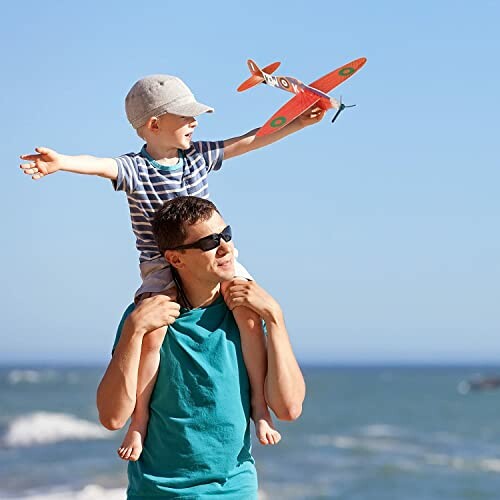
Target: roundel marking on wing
column 347, row 71
column 278, row 121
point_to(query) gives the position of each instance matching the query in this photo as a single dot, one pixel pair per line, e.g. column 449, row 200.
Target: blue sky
column 378, row 235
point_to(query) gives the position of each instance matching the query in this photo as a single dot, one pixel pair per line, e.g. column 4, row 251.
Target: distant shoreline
column 304, row 364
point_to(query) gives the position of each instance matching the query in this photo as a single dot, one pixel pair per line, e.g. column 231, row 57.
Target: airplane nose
column 335, row 103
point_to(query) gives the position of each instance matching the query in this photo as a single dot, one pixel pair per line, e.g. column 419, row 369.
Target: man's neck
column 199, row 294
column 164, row 155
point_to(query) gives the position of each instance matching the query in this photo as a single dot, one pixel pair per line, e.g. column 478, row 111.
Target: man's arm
column 47, row 161
column 285, row 387
column 116, row 394
column 248, row 142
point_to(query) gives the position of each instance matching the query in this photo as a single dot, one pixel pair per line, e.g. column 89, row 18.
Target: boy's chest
column 190, row 180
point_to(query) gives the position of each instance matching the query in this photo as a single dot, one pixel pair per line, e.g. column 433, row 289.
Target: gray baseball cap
column 159, row 94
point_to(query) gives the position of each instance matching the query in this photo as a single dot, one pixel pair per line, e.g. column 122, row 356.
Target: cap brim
column 190, row 109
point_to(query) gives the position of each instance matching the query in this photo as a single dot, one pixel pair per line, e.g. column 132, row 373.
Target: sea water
column 367, row 433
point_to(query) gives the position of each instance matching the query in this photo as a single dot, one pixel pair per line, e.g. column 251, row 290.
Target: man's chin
column 226, row 274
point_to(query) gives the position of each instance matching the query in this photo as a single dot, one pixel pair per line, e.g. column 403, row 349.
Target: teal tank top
column 198, row 441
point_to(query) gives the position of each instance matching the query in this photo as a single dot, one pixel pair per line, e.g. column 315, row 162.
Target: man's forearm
column 285, row 387
column 116, row 394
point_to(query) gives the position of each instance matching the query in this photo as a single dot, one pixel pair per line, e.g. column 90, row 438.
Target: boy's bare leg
column 253, row 345
column 131, row 448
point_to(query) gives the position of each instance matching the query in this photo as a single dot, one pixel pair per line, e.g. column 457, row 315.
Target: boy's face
column 174, row 131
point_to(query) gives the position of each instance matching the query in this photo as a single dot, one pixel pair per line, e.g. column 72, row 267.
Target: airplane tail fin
column 271, row 68
column 257, row 74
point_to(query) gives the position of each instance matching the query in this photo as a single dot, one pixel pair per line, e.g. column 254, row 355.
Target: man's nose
column 224, row 247
column 193, row 122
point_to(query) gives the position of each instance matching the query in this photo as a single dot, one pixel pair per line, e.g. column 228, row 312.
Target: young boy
column 162, row 110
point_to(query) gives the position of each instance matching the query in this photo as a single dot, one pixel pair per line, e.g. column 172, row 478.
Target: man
column 198, row 441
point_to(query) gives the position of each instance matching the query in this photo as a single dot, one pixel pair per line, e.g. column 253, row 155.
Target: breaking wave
column 90, row 492
column 41, row 428
column 31, row 376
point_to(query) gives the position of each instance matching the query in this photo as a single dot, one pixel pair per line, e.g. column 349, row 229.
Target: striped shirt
column 149, row 184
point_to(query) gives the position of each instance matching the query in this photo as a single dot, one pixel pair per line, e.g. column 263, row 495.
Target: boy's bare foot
column 131, row 447
column 266, row 433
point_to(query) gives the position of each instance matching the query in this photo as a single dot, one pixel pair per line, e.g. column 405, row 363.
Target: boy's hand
column 44, row 163
column 246, row 293
column 153, row 313
column 48, row 161
column 311, row 116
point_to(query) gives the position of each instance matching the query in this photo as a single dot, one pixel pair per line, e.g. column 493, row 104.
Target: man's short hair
column 170, row 223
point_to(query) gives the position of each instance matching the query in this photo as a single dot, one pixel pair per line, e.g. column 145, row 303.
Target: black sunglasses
column 208, row 242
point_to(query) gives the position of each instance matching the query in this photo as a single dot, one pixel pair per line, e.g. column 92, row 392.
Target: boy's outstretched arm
column 48, row 161
column 248, row 142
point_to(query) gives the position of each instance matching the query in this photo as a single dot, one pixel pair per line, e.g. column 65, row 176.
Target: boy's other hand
column 154, row 312
column 311, row 116
column 44, row 163
column 240, row 292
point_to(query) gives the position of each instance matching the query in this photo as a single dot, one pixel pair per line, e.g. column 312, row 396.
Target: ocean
column 366, row 433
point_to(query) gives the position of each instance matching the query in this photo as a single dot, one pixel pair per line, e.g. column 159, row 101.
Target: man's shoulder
column 125, row 315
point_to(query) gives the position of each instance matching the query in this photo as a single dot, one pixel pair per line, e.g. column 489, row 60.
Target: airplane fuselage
column 295, row 86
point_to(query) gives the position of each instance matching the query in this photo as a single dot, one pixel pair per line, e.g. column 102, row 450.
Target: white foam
column 90, row 492
column 461, row 463
column 380, row 430
column 44, row 428
column 377, row 445
column 30, row 376
column 490, row 464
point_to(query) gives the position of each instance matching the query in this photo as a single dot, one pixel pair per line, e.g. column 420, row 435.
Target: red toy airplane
column 305, row 95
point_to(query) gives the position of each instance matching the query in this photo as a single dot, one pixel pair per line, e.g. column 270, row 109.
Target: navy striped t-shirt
column 149, row 185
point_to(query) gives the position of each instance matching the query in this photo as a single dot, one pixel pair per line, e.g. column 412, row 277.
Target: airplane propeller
column 341, row 108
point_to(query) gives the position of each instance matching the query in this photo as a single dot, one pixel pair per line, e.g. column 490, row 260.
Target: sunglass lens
column 227, row 234
column 211, row 243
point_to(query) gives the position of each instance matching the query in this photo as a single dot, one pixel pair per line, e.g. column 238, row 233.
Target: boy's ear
column 153, row 123
column 173, row 257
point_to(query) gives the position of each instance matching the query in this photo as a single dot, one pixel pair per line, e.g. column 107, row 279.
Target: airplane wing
column 293, row 108
column 337, row 76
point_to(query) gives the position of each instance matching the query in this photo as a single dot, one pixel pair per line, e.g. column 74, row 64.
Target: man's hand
column 248, row 294
column 153, row 313
column 44, row 163
column 311, row 116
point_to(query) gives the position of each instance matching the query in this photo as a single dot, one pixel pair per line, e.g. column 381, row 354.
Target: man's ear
column 174, row 258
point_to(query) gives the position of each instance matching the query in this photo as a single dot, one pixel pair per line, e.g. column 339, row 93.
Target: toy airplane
column 305, row 95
